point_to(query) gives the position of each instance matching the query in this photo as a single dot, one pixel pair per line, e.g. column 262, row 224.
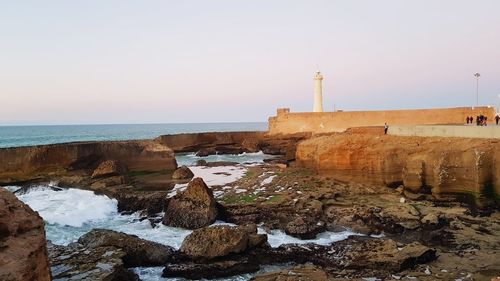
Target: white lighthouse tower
column 318, row 92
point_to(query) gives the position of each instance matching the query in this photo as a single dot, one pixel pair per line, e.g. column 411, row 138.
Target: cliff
column 80, row 159
column 443, row 165
column 233, row 142
column 23, row 249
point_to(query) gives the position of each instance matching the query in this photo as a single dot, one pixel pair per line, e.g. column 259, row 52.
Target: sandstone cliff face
column 233, row 142
column 23, row 249
column 444, row 165
column 80, row 159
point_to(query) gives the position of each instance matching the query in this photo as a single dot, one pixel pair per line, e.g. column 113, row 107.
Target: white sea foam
column 70, row 213
column 277, row 237
column 219, row 175
column 71, row 207
column 247, row 158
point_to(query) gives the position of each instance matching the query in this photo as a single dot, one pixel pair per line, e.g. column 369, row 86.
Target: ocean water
column 13, row 136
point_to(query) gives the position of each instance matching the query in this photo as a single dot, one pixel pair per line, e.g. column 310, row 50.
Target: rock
column 131, row 200
column 214, row 269
column 219, row 241
column 193, row 208
column 298, row 273
column 108, row 168
column 182, row 173
column 304, row 228
column 206, row 152
column 138, row 252
column 430, row 219
column 76, row 262
column 67, row 160
column 201, row 162
column 23, row 249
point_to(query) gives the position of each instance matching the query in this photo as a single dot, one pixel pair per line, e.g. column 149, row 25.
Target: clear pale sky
column 67, row 62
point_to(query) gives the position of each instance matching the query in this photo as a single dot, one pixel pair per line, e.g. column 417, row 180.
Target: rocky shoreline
column 404, row 232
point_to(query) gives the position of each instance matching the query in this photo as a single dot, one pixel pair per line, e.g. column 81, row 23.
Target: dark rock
column 76, row 262
column 214, row 269
column 201, row 162
column 304, row 228
column 206, row 152
column 193, row 208
column 182, row 173
column 138, row 252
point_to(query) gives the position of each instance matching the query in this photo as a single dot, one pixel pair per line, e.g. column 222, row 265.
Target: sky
column 121, row 62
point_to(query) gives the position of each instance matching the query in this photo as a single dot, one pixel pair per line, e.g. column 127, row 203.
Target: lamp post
column 498, row 107
column 477, row 75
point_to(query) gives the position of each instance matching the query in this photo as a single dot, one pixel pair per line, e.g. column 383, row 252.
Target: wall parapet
column 286, row 122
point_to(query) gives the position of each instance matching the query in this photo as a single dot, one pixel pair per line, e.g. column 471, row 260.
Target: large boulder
column 194, row 208
column 138, row 252
column 182, row 173
column 219, row 241
column 23, row 249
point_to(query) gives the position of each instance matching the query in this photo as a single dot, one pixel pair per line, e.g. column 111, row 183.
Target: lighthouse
column 318, row 93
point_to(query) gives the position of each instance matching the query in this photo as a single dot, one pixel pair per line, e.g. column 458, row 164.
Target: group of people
column 481, row 120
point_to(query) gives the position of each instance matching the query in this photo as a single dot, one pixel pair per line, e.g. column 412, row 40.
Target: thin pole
column 477, row 90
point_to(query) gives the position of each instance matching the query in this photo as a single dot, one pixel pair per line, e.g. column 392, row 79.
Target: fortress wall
column 326, row 122
column 487, row 132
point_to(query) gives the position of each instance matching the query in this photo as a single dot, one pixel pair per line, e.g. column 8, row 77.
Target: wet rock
column 304, row 228
column 138, row 252
column 77, row 262
column 193, row 208
column 219, row 241
column 129, row 200
column 201, row 162
column 214, row 269
column 182, row 173
column 297, row 273
column 23, row 249
column 206, row 152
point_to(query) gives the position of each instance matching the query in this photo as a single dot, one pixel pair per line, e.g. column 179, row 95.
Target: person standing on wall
column 385, row 128
column 497, row 118
column 468, row 119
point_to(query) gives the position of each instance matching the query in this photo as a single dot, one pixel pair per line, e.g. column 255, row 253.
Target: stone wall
column 325, row 122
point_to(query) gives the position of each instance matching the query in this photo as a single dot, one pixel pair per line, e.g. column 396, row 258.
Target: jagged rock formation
column 441, row 165
column 74, row 163
column 23, row 250
column 106, row 255
column 193, row 208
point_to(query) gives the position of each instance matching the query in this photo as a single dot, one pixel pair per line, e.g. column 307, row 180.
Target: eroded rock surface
column 23, row 249
column 218, row 241
column 193, row 208
column 182, row 173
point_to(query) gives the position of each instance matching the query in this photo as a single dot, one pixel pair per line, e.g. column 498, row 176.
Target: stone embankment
column 437, row 165
column 84, row 162
column 23, row 249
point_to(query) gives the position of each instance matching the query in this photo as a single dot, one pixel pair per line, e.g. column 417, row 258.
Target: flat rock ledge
column 106, row 255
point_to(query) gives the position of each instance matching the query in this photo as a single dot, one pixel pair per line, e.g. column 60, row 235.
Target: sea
column 70, row 213
column 14, row 136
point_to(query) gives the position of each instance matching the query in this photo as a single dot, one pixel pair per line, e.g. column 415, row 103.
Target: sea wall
column 443, row 165
column 286, row 122
column 473, row 131
column 19, row 164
